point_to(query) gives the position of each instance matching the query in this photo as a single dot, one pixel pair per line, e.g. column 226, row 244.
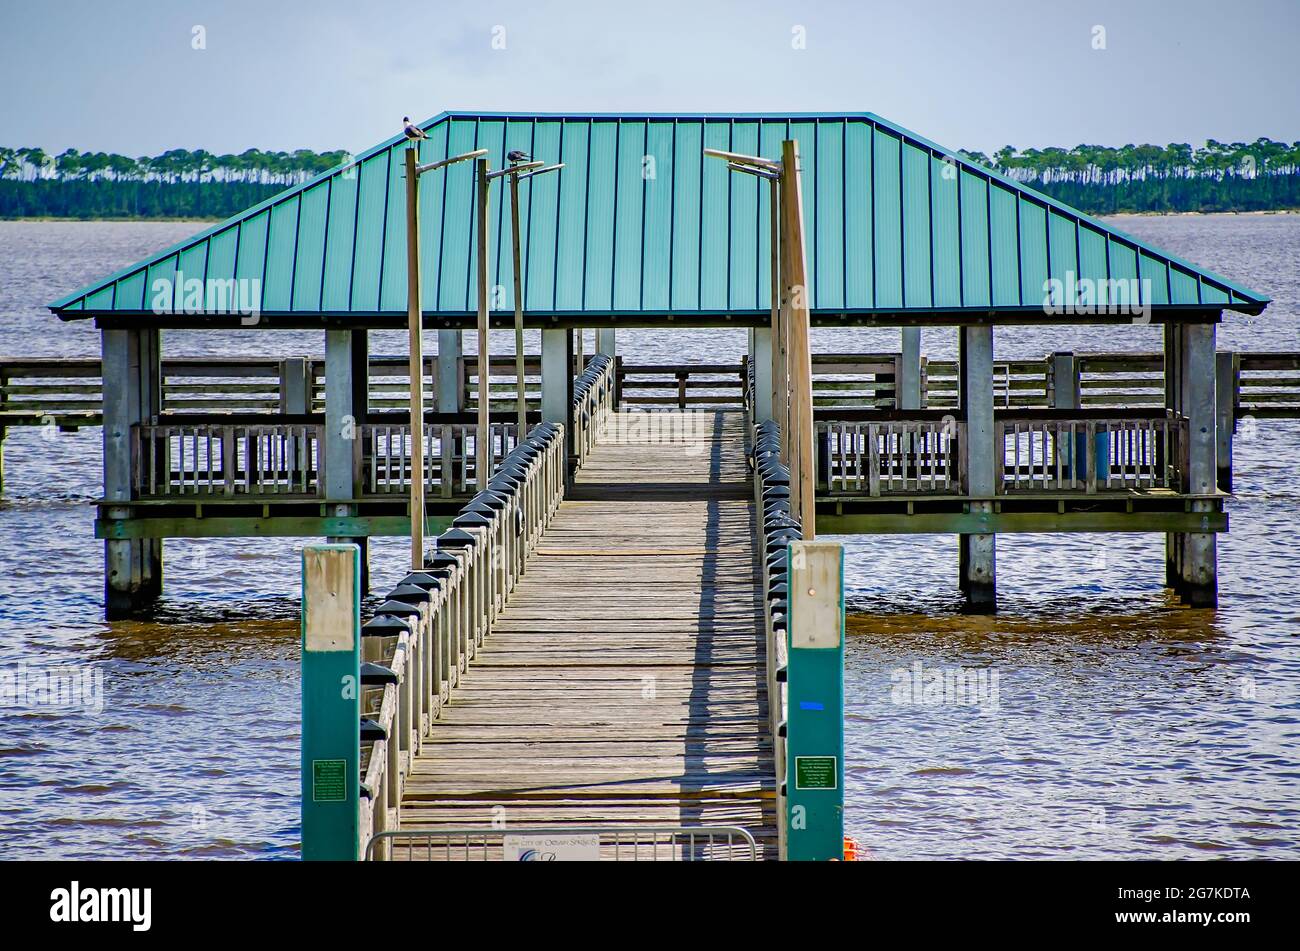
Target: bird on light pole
column 413, row 131
column 517, row 155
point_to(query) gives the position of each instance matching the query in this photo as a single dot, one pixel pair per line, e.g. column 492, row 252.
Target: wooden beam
column 483, row 439
column 799, row 357
column 520, row 406
column 276, row 526
column 1000, row 523
column 416, row 365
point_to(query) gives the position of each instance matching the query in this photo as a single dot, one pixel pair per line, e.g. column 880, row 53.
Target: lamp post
column 518, row 171
column 415, row 328
column 791, row 353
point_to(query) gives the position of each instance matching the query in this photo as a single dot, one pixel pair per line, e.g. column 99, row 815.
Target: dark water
column 1119, row 723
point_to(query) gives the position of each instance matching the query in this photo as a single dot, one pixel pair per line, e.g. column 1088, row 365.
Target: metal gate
column 593, row 843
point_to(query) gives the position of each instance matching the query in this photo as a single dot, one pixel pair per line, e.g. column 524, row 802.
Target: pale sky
column 124, row 76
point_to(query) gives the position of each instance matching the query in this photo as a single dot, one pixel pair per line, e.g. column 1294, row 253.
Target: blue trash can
column 1074, row 464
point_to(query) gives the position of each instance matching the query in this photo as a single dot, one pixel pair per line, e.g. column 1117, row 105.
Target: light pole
column 415, row 328
column 791, row 354
column 518, row 171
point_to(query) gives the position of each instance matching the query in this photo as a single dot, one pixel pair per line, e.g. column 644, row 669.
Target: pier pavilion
column 641, row 229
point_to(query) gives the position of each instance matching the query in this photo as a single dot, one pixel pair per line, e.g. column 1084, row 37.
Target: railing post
column 331, row 703
column 761, row 361
column 295, row 387
column 907, row 381
column 815, row 717
column 448, row 373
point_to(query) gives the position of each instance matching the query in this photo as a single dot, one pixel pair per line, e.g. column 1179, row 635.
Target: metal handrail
column 593, row 401
column 777, row 527
column 425, row 633
column 626, row 843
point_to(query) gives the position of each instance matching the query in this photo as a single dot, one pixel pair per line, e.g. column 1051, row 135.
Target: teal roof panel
column 639, row 224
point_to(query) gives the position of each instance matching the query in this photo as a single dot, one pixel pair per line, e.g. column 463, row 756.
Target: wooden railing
column 450, row 456
column 34, row 392
column 1090, row 452
column 68, row 393
column 227, row 460
column 1017, row 384
column 593, row 401
column 1267, row 385
column 858, row 380
column 250, row 458
column 682, row 386
column 907, row 453
column 427, row 631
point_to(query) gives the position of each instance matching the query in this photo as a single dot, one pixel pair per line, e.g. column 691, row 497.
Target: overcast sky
column 125, row 76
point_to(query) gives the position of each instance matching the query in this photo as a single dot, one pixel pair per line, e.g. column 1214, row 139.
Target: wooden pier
column 613, row 628
column 622, row 684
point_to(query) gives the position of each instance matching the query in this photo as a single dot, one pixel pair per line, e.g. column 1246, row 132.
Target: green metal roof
column 639, row 223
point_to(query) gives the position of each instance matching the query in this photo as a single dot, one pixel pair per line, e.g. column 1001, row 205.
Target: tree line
column 179, row 183
column 1218, row 176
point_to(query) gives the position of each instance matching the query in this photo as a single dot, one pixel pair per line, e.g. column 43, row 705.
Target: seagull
column 413, row 131
column 517, row 155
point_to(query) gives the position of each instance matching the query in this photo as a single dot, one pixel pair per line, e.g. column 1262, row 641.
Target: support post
column 978, row 552
column 909, row 379
column 1198, row 557
column 1227, row 367
column 606, row 342
column 799, row 356
column 450, row 385
column 815, row 714
column 331, row 703
column 557, row 384
column 347, row 368
column 131, row 361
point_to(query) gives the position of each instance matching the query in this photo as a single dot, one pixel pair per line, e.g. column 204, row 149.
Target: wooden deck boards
column 623, row 684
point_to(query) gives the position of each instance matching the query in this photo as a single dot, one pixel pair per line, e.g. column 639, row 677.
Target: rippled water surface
column 1111, row 722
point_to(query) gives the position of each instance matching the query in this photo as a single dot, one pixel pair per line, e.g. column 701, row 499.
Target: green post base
column 331, row 702
column 815, row 712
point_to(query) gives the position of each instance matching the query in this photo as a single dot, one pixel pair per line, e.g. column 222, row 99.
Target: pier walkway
column 623, row 683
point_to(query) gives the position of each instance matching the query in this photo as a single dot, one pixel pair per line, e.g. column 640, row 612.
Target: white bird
column 413, row 131
column 517, row 155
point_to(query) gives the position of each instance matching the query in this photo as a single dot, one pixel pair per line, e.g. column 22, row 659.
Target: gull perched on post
column 517, row 155
column 413, row 131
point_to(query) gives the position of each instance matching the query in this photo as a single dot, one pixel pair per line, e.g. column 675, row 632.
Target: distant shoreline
column 113, row 219
column 210, row 221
